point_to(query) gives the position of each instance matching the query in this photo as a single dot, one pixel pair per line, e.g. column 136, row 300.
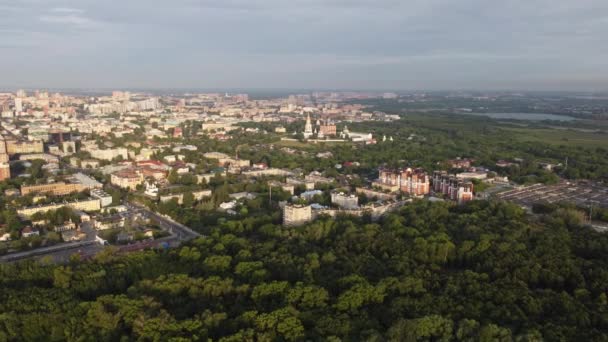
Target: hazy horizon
column 281, row 92
column 382, row 45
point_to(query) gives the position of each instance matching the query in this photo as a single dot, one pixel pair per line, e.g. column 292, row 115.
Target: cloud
column 68, row 19
column 66, row 10
column 312, row 43
column 69, row 16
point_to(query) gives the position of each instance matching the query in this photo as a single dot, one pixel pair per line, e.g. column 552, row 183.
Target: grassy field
column 559, row 136
column 518, row 131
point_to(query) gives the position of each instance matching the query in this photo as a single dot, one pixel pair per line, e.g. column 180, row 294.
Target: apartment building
column 84, row 205
column 415, row 182
column 127, row 179
column 452, row 187
column 296, row 215
column 345, row 201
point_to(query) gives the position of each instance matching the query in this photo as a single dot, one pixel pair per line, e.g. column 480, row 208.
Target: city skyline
column 306, row 44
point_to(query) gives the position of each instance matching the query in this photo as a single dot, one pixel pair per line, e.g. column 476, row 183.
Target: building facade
column 415, row 182
column 127, row 179
column 85, row 205
column 296, row 215
column 345, row 201
column 5, row 171
column 452, row 187
column 24, row 147
column 110, row 154
column 56, row 189
column 104, row 198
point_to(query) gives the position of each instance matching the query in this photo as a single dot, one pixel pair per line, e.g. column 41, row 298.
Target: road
column 182, row 232
column 62, row 248
column 88, row 248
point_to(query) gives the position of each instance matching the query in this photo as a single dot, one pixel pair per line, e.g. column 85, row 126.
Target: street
column 91, row 246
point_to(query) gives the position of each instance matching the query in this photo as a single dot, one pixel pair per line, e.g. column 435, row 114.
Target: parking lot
column 582, row 194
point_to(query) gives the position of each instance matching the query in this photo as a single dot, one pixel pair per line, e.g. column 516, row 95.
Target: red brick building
column 327, row 129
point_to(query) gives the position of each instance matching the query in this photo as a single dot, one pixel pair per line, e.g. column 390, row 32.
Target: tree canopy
column 429, row 272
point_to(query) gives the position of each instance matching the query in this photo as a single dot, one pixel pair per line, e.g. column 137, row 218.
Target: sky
column 305, row 44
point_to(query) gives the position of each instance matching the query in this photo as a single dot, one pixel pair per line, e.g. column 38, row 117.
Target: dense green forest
column 429, row 272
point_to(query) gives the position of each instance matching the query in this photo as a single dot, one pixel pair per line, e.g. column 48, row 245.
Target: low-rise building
column 308, row 185
column 296, row 215
column 208, row 176
column 29, row 232
column 110, row 154
column 48, row 158
column 199, row 195
column 310, row 194
column 89, row 164
column 374, row 210
column 92, row 204
column 234, row 162
column 23, row 147
column 166, row 198
column 5, row 171
column 216, row 155
column 68, row 225
column 110, row 223
column 104, row 198
column 317, row 178
column 243, row 195
column 382, row 196
column 460, row 163
column 127, row 179
column 56, row 189
column 73, row 235
column 289, row 188
column 345, row 201
column 267, row 172
column 227, row 205
column 480, row 175
column 151, row 190
column 86, row 181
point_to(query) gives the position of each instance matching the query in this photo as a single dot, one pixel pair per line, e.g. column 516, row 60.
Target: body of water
column 527, row 116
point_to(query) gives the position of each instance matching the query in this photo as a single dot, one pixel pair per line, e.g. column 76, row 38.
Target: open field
column 521, row 132
column 559, row 136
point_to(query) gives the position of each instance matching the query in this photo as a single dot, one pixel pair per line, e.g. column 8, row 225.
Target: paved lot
column 581, row 194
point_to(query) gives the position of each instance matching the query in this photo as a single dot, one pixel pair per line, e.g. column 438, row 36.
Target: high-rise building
column 18, row 105
column 453, row 188
column 415, row 182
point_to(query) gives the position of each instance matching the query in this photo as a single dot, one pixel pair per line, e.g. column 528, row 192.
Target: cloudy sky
column 322, row 44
